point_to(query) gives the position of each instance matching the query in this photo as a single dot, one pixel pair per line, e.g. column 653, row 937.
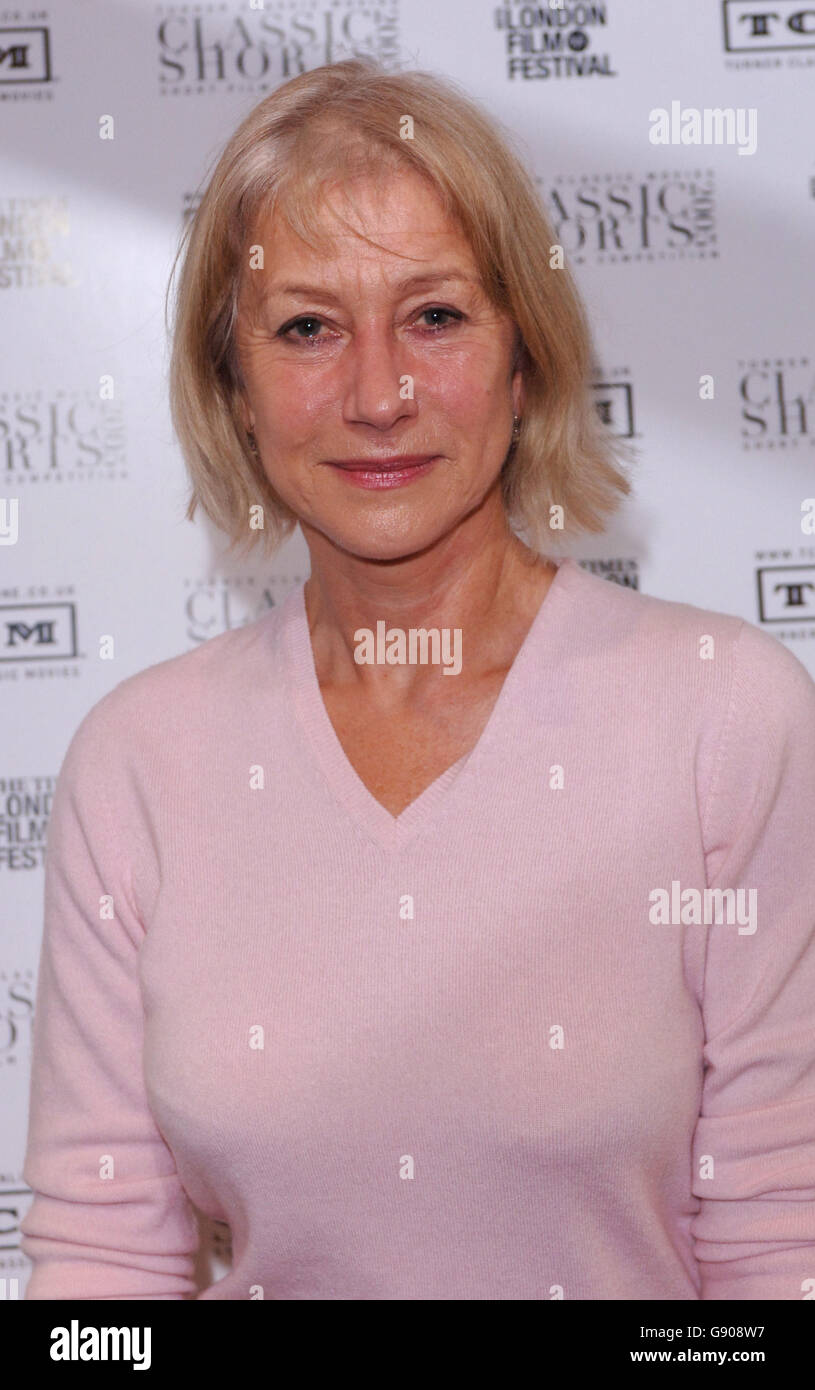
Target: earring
column 516, row 428
column 253, row 444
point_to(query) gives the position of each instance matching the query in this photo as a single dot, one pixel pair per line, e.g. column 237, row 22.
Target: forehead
column 394, row 223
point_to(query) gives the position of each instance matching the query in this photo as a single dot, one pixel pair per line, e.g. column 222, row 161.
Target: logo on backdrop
column 607, row 218
column 62, row 436
column 786, row 593
column 779, row 35
column 614, row 401
column 619, row 571
column 545, row 40
column 35, row 636
column 216, row 606
column 33, row 232
column 237, row 49
column 25, row 805
column 778, row 403
column 17, row 990
column 25, row 58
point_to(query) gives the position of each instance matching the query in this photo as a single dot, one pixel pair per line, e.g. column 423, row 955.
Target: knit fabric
column 481, row 1050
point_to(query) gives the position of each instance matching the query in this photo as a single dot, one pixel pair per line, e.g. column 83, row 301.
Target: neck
column 480, row 579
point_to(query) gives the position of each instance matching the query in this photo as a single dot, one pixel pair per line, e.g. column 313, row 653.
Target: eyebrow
column 411, row 282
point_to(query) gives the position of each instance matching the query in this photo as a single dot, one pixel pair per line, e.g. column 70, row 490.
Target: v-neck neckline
column 388, row 831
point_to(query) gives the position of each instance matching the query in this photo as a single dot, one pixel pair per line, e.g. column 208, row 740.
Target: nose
column 377, row 391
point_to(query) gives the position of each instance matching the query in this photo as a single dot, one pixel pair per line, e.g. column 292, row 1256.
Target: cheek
column 292, row 398
column 468, row 386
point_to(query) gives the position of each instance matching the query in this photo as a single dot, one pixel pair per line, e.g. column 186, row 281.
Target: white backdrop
column 694, row 261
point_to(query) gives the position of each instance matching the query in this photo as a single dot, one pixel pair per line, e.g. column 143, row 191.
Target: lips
column 394, row 471
column 382, row 465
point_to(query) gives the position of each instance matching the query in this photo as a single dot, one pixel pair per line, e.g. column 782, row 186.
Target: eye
column 438, row 312
column 308, row 323
column 306, row 327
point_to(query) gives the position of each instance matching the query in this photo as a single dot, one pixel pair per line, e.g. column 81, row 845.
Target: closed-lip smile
column 376, row 465
column 381, row 474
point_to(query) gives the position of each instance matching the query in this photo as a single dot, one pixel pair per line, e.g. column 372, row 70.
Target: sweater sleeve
column 754, row 1145
column 109, row 1218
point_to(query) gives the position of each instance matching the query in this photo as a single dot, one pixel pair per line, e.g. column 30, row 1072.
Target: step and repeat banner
column 672, row 146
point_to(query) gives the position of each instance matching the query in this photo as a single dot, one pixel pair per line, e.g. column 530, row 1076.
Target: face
column 379, row 382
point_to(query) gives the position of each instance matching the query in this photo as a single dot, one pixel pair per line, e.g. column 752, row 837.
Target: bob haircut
column 322, row 129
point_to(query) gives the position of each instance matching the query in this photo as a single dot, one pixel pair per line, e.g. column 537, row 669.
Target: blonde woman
column 488, row 977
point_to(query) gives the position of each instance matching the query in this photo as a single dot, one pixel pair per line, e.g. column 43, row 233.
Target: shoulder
column 710, row 670
column 635, row 616
column 178, row 698
column 655, row 627
column 772, row 698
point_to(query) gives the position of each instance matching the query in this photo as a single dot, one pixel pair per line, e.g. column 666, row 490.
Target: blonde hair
column 327, row 126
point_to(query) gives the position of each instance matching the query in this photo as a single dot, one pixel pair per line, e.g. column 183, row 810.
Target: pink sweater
column 471, row 1052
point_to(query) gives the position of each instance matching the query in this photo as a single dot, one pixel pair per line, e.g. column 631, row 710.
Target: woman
column 399, row 957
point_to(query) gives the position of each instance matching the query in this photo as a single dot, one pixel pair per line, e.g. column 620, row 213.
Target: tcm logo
column 614, row 404
column 37, row 631
column 751, row 27
column 24, row 56
column 786, row 593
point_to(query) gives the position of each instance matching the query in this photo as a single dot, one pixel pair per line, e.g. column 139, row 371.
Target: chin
column 397, row 542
